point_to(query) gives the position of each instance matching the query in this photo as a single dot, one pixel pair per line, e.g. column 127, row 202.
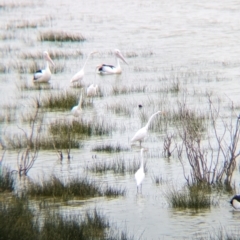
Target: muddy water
column 196, row 44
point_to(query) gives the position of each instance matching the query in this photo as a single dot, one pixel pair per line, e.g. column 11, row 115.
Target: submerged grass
column 76, row 187
column 79, row 128
column 61, row 36
column 196, row 196
column 18, row 220
column 109, row 148
column 61, row 100
column 6, row 179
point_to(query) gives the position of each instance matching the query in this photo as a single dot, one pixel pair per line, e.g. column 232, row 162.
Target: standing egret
column 142, row 132
column 235, row 202
column 77, row 110
column 140, row 175
column 92, row 90
column 79, row 75
column 110, row 69
column 44, row 75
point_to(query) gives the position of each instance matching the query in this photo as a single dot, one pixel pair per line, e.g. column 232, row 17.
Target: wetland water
column 165, row 42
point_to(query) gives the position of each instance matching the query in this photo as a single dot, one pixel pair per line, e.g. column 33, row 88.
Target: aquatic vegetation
column 61, row 100
column 61, row 36
column 6, row 179
column 79, row 128
column 109, row 148
column 193, row 197
column 54, row 54
column 117, row 90
column 120, row 108
column 76, row 187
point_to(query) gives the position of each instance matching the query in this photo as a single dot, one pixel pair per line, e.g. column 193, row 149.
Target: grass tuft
column 60, row 36
column 6, row 179
column 109, row 148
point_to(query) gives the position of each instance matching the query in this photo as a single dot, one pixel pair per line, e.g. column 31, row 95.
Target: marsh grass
column 54, row 54
column 196, row 196
column 79, row 128
column 120, row 109
column 61, row 100
column 74, row 188
column 25, row 86
column 114, row 192
column 61, row 36
column 6, row 179
column 61, row 141
column 4, row 68
column 8, row 114
column 117, row 90
column 109, row 148
column 117, row 166
column 18, row 220
column 159, row 180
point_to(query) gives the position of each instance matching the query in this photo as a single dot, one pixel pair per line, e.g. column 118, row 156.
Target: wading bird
column 77, row 110
column 92, row 90
column 44, row 75
column 110, row 69
column 140, row 175
column 235, row 202
column 79, row 75
column 142, row 132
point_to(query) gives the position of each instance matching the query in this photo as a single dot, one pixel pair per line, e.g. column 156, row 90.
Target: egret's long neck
column 141, row 166
column 80, row 102
column 86, row 61
column 150, row 119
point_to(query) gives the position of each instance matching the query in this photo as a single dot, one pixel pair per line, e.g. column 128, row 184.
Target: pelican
column 92, row 90
column 142, row 132
column 110, row 69
column 44, row 75
column 235, row 202
column 140, row 174
column 79, row 75
column 77, row 110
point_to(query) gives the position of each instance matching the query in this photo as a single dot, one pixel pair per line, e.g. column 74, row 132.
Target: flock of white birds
column 44, row 76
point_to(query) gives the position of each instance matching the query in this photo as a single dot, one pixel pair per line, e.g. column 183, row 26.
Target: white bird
column 142, row 132
column 235, row 202
column 79, row 75
column 110, row 69
column 92, row 90
column 77, row 110
column 44, row 75
column 140, row 174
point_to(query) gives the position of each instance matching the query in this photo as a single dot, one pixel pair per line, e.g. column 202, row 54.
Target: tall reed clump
column 61, row 36
column 18, row 220
column 61, row 100
column 79, row 128
column 192, row 197
column 76, row 187
column 6, row 179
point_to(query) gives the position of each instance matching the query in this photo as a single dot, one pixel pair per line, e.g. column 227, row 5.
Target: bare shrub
column 212, row 159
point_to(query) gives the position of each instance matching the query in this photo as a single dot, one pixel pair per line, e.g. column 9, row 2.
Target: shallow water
column 196, row 44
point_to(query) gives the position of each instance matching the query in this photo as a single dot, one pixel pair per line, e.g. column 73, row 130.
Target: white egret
column 235, row 202
column 140, row 174
column 142, row 132
column 92, row 90
column 44, row 75
column 79, row 75
column 110, row 69
column 77, row 110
